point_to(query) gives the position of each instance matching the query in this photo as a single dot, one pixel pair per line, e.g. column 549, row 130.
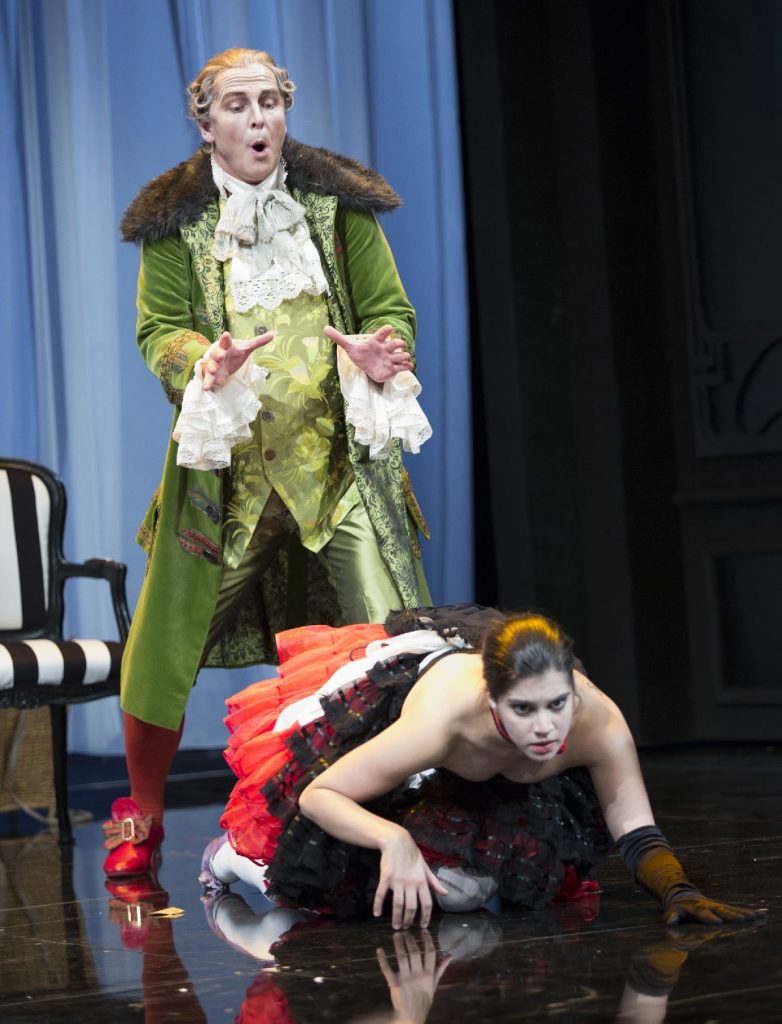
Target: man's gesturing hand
column 227, row 356
column 379, row 356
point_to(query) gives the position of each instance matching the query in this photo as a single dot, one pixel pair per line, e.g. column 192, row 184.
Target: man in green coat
column 261, row 238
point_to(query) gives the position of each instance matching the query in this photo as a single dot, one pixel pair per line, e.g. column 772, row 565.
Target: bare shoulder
column 450, row 689
column 600, row 732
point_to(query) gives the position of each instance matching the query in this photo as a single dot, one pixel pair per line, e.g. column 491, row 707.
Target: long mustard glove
column 652, row 863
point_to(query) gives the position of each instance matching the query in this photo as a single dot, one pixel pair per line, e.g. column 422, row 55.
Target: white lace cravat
column 263, row 231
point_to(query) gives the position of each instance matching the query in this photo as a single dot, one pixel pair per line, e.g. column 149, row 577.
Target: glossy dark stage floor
column 73, row 951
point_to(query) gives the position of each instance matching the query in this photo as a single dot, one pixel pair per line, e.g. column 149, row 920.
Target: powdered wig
column 201, row 91
column 523, row 646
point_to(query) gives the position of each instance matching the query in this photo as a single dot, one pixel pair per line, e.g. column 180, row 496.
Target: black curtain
column 574, row 446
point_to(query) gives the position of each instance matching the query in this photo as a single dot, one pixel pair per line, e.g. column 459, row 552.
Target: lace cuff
column 380, row 413
column 212, row 422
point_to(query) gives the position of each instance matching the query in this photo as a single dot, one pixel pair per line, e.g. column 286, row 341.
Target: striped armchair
column 37, row 666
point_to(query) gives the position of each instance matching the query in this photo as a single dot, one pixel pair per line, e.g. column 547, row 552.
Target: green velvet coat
column 180, row 312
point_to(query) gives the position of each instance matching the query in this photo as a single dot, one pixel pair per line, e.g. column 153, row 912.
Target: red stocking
column 150, row 752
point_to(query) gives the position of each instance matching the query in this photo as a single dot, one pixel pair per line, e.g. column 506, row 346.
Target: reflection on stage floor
column 75, row 948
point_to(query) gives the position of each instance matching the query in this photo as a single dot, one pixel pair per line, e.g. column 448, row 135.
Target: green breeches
column 364, row 587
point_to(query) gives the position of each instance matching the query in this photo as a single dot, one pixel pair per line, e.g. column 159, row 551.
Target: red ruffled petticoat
column 309, row 656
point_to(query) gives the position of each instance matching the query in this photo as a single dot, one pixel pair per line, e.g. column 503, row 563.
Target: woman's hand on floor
column 405, row 875
column 694, row 906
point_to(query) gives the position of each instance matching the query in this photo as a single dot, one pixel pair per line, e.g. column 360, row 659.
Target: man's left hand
column 380, row 356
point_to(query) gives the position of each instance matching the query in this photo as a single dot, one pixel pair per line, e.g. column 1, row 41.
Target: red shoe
column 133, row 840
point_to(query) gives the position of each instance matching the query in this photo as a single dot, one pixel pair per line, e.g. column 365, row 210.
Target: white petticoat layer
column 418, row 641
column 381, row 413
column 212, row 422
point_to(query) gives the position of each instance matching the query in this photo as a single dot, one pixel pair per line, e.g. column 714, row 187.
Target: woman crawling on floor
column 451, row 754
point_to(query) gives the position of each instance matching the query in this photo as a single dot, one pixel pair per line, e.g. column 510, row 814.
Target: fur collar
column 180, row 195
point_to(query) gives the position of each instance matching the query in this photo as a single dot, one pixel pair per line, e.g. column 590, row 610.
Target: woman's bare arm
column 413, row 743
column 620, row 788
column 616, row 775
column 421, row 738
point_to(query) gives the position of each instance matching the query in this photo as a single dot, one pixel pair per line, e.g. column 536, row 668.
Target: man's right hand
column 226, row 356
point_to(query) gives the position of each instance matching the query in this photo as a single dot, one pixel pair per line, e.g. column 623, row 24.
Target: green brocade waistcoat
column 181, row 310
column 299, row 445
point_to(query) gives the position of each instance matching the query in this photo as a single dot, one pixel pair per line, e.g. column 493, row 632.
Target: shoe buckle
column 135, row 915
column 128, row 829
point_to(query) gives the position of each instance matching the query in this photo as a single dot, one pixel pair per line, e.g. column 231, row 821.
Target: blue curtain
column 97, row 108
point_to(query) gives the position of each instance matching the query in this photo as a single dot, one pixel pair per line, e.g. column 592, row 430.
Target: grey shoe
column 212, row 885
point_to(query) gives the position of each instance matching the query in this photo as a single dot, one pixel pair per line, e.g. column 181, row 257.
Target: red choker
column 500, row 727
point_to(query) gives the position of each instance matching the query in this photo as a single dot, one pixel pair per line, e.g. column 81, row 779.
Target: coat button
column 260, row 329
column 267, row 415
column 269, row 454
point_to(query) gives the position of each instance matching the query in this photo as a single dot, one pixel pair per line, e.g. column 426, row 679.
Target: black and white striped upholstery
column 25, row 518
column 44, row 671
column 37, row 666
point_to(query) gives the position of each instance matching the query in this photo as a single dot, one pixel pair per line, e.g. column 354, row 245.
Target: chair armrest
column 105, row 569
